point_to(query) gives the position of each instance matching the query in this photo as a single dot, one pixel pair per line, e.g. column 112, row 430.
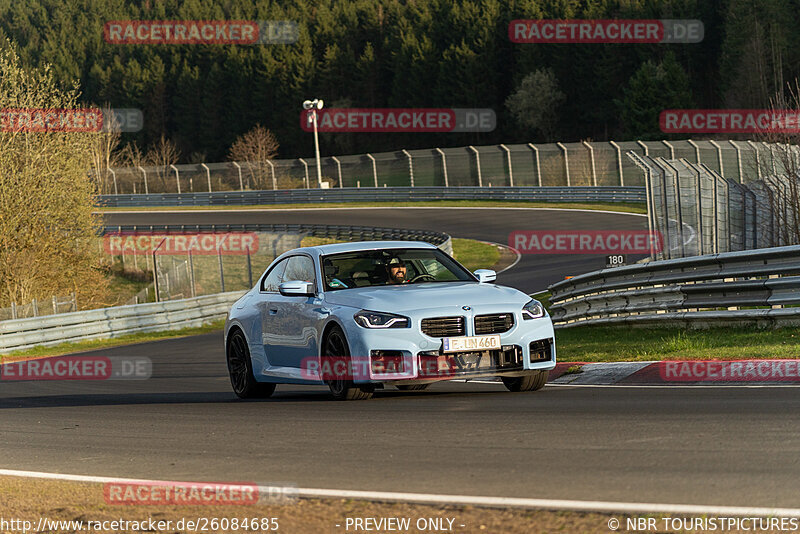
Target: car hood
column 428, row 296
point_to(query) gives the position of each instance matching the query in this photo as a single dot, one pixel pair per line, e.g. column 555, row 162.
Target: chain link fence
column 40, row 307
column 559, row 164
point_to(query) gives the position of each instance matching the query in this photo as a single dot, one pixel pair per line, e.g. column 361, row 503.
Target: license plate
column 468, row 343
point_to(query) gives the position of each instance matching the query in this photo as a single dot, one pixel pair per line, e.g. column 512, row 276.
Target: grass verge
column 82, row 346
column 28, row 500
column 622, row 207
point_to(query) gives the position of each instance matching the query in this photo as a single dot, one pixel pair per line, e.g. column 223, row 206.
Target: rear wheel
column 530, row 382
column 240, row 369
column 414, row 387
column 335, row 348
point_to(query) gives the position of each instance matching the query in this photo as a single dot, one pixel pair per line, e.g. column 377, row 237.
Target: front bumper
column 528, row 346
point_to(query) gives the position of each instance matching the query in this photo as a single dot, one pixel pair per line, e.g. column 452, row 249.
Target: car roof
column 356, row 246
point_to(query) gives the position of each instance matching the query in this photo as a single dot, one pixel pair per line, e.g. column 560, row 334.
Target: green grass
column 622, row 207
column 475, row 254
column 613, row 344
column 81, row 346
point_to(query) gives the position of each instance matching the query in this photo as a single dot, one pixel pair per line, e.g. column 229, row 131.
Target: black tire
column 530, row 382
column 414, row 387
column 335, row 346
column 240, row 369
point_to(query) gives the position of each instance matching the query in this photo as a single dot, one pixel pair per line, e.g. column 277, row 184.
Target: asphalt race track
column 534, row 272
column 689, row 445
column 694, row 445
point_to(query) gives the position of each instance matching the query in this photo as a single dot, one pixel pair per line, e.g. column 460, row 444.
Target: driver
column 396, row 269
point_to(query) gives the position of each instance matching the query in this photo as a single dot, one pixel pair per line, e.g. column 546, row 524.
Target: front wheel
column 240, row 369
column 335, row 348
column 530, row 382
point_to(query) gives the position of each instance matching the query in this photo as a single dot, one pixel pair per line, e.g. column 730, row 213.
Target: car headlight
column 533, row 310
column 371, row 319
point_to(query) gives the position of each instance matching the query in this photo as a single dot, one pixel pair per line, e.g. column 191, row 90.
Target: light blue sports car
column 361, row 316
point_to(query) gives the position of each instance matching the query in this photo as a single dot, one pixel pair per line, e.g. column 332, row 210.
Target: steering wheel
column 421, row 276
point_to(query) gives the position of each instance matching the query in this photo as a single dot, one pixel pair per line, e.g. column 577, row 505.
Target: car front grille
column 495, row 323
column 443, row 326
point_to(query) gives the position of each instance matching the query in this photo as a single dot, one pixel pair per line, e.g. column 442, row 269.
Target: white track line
column 461, row 500
column 239, row 210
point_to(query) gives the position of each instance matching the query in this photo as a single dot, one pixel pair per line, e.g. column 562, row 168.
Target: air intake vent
column 443, row 326
column 494, row 323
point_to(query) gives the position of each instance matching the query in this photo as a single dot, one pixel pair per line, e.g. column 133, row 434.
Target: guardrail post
column 177, row 178
column 410, row 167
column 155, row 269
column 146, row 190
column 444, row 166
column 191, row 274
column 306, row 166
column 538, row 165
column 566, row 161
column 478, row 161
column 208, row 175
column 619, row 163
column 591, row 157
column 696, row 150
column 239, row 168
column 339, row 168
column 510, row 172
column 114, row 175
column 374, row 169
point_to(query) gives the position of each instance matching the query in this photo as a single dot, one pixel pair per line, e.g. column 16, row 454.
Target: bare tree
column 256, row 147
column 104, row 154
column 48, row 240
column 161, row 155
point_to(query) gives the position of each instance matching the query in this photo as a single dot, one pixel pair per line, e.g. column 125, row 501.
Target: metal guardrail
column 757, row 287
column 22, row 334
column 379, row 194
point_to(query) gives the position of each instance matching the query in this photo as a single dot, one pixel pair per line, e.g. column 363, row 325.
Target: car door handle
column 273, row 311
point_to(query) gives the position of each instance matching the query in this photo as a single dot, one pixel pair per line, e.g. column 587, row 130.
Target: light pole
column 315, row 105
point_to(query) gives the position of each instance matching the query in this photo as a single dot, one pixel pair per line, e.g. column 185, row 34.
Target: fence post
column 249, row 269
column 538, row 165
column 671, row 148
column 696, row 150
column 177, row 178
column 35, row 308
column 758, row 163
column 208, row 175
column 14, row 310
column 510, row 172
column 444, row 166
column 191, row 274
column 219, row 259
column 719, row 157
column 339, row 169
column 374, row 169
column 306, row 166
column 619, row 163
column 566, row 161
column 239, row 168
column 410, row 167
column 146, row 189
column 478, row 160
column 272, row 172
column 738, row 160
column 591, row 157
column 114, row 175
column 644, row 146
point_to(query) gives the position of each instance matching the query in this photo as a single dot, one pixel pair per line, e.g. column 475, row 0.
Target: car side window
column 271, row 282
column 299, row 268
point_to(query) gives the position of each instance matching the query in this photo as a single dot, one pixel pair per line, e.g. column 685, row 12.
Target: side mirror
column 296, row 288
column 485, row 275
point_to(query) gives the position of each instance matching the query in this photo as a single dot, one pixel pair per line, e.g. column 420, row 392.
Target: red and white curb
column 678, row 372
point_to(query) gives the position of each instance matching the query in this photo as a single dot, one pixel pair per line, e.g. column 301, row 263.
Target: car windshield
column 390, row 267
